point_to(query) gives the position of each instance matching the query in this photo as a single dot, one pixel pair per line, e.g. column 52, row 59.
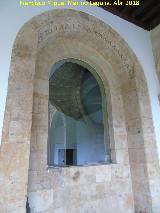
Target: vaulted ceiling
column 75, row 92
column 145, row 15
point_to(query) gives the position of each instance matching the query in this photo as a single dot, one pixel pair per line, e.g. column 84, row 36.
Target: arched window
column 77, row 117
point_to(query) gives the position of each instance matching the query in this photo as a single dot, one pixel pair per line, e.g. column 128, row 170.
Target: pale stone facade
column 155, row 36
column 132, row 182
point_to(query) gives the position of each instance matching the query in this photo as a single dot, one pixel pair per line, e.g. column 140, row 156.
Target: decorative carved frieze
column 71, row 25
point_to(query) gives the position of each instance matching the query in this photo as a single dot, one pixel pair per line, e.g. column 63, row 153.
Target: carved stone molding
column 52, row 111
column 79, row 25
column 128, row 104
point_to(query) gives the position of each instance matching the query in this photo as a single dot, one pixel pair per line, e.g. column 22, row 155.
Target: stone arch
column 57, row 35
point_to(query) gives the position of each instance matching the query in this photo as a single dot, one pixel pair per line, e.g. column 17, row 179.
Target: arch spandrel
column 119, row 70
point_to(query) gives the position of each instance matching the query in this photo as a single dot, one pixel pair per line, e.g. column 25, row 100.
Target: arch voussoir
column 43, row 41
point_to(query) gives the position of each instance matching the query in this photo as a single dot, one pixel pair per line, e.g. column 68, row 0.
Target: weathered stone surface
column 40, row 200
column 13, row 165
column 130, row 184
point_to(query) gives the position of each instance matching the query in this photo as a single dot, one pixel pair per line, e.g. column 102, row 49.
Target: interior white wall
column 88, row 141
column 12, row 18
column 90, row 144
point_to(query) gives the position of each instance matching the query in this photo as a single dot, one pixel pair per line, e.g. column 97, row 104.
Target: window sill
column 77, row 166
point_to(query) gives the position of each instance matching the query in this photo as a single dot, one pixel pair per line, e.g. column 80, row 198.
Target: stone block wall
column 93, row 189
column 132, row 182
